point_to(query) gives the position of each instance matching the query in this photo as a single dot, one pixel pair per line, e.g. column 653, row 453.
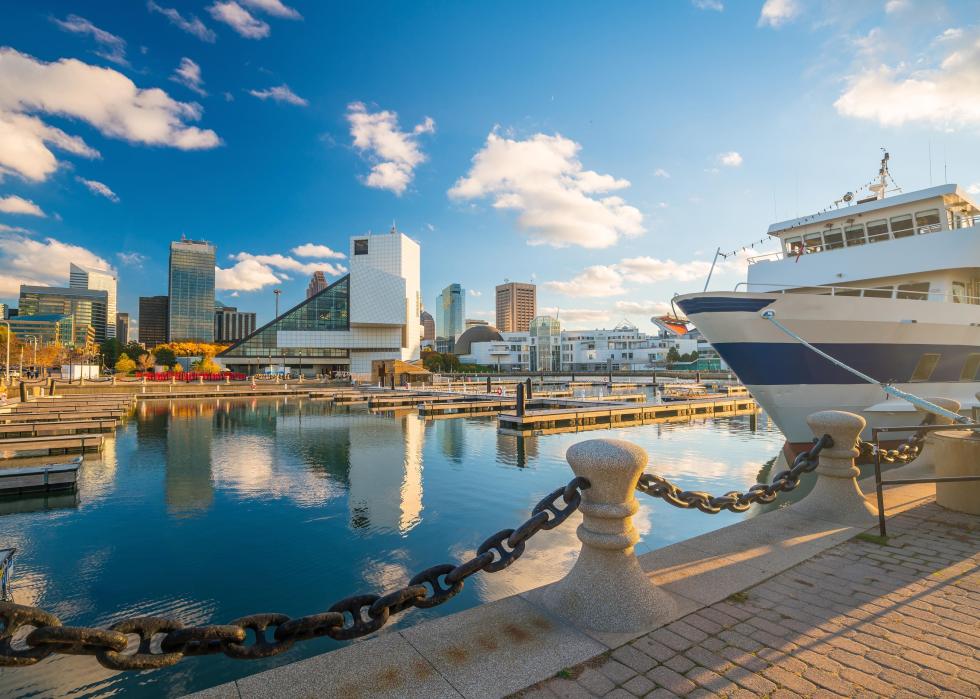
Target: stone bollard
column 924, row 465
column 606, row 589
column 836, row 496
column 958, row 456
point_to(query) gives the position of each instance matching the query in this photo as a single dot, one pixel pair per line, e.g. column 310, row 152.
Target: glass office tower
column 450, row 312
column 191, row 291
column 86, row 308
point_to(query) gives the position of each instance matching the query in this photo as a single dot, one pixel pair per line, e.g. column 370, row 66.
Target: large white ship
column 888, row 286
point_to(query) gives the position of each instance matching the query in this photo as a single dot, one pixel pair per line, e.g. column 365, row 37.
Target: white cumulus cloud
column 715, row 5
column 320, row 251
column 648, row 270
column 273, row 7
column 645, row 308
column 252, row 272
column 111, row 47
column 559, row 202
column 40, row 262
column 102, row 97
column 191, row 25
column 18, row 205
column 730, row 159
column 474, row 293
column 594, row 281
column 660, row 172
column 188, row 74
column 776, row 13
column 280, row 93
column 578, row 318
column 239, row 19
column 394, row 153
column 98, row 188
column 943, row 92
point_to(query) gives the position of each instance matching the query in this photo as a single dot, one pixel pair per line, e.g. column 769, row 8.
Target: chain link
column 904, row 452
column 29, row 634
column 734, row 501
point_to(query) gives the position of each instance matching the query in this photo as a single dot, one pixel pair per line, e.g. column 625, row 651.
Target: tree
column 165, row 356
column 133, row 349
column 206, row 365
column 110, row 349
column 146, row 361
column 125, row 365
column 673, row 355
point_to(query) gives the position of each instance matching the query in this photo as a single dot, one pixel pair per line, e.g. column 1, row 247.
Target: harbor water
column 210, row 510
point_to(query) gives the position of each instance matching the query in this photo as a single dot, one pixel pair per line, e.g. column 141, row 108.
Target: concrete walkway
column 775, row 605
column 865, row 618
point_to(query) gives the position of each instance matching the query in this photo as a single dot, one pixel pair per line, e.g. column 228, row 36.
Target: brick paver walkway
column 860, row 620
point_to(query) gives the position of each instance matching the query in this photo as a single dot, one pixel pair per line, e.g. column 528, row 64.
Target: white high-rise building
column 80, row 277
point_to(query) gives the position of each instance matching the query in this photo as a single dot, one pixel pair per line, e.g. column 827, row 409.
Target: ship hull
column 888, row 339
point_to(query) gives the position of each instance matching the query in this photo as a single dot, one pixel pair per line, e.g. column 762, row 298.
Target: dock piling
column 606, row 589
column 520, row 400
column 528, row 392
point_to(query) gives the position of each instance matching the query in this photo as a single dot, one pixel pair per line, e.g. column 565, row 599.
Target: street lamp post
column 277, row 292
column 6, row 366
column 34, row 338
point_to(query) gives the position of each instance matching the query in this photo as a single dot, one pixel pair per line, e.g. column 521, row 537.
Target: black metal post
column 520, row 399
column 488, row 383
column 878, row 491
column 528, row 392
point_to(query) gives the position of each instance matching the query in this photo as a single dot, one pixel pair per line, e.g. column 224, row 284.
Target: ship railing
column 964, row 222
column 877, row 292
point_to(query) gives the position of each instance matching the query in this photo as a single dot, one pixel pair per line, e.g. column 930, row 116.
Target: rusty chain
column 734, row 501
column 29, row 634
column 904, row 452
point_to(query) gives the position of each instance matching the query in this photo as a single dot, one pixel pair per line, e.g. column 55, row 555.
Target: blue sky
column 603, row 150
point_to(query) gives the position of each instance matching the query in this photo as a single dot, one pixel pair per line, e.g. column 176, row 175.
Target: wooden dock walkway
column 575, row 418
column 34, row 479
column 56, row 416
column 54, row 444
column 39, row 429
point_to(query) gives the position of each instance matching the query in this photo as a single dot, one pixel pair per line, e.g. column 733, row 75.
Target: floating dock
column 38, row 479
column 40, row 429
column 581, row 417
column 54, row 444
column 72, row 415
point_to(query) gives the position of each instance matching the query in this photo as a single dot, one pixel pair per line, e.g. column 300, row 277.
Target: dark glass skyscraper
column 153, row 320
column 191, row 291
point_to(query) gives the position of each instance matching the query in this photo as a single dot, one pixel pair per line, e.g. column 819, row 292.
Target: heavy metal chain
column 734, row 501
column 29, row 634
column 904, row 452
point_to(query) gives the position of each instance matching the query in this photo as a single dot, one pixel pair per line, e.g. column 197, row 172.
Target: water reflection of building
column 386, row 474
column 516, row 450
column 188, row 482
column 451, row 437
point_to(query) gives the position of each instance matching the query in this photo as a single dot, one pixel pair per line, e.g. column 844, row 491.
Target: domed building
column 477, row 333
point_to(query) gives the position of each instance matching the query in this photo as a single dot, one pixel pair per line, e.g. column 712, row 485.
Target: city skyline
column 580, row 165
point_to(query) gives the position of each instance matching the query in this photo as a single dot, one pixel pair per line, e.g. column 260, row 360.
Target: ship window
column 833, row 239
column 927, row 221
column 847, row 292
column 879, row 292
column 902, row 226
column 792, row 245
column 877, row 231
column 813, row 242
column 971, row 367
column 918, row 291
column 854, row 235
column 925, row 367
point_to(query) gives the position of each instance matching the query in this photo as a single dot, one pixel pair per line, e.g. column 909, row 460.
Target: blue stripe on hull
column 722, row 304
column 776, row 363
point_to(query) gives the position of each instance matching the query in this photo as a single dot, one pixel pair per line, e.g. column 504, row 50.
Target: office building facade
column 86, row 308
column 190, row 313
column 153, row 320
column 318, row 282
column 372, row 313
column 51, row 329
column 80, row 277
column 232, row 325
column 428, row 334
column 122, row 328
column 517, row 305
column 450, row 315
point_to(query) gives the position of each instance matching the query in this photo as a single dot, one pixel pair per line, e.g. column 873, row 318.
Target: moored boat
column 888, row 286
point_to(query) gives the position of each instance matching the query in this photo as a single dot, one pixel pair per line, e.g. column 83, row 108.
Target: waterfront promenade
column 863, row 619
column 779, row 605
